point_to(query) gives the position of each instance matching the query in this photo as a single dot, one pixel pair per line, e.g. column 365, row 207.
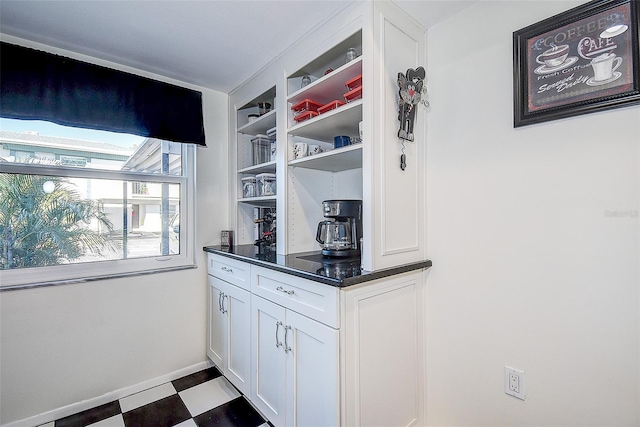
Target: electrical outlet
column 514, row 382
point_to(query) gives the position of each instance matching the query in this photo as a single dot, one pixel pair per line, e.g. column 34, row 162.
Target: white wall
column 530, row 269
column 65, row 344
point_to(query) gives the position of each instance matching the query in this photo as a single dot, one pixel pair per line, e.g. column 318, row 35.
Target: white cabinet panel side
column 398, row 196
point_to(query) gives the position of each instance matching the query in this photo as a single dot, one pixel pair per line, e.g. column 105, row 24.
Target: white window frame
column 82, row 272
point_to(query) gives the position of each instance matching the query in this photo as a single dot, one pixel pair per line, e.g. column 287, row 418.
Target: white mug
column 300, row 149
column 603, row 67
column 314, row 149
column 554, row 57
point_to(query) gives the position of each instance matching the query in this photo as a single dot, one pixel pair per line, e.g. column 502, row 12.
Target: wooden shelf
column 336, row 160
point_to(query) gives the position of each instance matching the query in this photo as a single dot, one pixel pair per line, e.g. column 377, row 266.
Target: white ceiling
column 211, row 43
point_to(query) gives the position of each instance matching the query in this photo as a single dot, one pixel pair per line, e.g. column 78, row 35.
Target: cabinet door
column 313, row 393
column 236, row 305
column 216, row 324
column 383, row 352
column 268, row 359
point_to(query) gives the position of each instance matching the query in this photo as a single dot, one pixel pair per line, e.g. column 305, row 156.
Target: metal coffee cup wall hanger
column 411, row 90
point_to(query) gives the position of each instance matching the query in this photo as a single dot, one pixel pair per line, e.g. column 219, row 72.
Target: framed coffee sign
column 580, row 61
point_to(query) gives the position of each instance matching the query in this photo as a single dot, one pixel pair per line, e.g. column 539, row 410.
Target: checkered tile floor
column 203, row 399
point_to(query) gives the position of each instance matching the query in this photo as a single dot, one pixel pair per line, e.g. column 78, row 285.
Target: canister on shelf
column 271, row 133
column 248, row 186
column 261, row 149
column 266, row 183
column 351, row 55
column 264, row 107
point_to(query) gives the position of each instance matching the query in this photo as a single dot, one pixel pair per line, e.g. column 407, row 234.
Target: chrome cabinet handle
column 222, row 305
column 287, row 349
column 220, row 301
column 226, row 270
column 281, row 289
column 278, row 343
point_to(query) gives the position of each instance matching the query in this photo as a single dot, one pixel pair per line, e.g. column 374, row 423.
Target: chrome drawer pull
column 226, row 270
column 281, row 289
column 278, row 343
column 287, row 349
column 224, row 311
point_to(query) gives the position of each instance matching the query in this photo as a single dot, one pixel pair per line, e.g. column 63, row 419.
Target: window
column 83, row 204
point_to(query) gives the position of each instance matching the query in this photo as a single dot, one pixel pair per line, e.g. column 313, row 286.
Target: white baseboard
column 74, row 408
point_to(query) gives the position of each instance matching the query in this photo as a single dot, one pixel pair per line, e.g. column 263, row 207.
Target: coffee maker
column 340, row 234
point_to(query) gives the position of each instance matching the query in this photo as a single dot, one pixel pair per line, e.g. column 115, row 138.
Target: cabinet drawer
column 315, row 300
column 229, row 270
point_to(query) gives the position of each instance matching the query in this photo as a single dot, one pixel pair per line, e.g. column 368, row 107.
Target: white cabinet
column 317, row 355
column 230, row 270
column 312, row 373
column 388, row 41
column 216, row 320
column 295, row 357
column 229, row 327
column 268, row 362
column 382, row 353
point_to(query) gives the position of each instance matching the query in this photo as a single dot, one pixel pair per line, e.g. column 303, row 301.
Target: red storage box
column 306, row 105
column 330, row 106
column 354, row 82
column 354, row 94
column 305, row 116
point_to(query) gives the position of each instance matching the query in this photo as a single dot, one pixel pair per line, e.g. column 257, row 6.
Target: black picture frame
column 566, row 66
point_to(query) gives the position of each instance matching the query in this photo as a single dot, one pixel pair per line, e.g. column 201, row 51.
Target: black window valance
column 36, row 85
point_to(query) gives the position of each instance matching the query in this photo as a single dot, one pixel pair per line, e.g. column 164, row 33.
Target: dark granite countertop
column 340, row 272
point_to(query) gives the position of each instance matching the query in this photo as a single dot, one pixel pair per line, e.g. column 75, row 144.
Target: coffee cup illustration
column 554, row 56
column 603, row 66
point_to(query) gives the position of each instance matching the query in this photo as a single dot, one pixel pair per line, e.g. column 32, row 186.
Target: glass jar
column 248, row 186
column 260, row 149
column 351, row 55
column 266, row 183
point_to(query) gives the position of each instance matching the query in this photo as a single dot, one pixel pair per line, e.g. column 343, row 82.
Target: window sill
column 94, row 278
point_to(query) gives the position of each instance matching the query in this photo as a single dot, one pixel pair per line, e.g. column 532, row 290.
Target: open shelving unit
column 335, row 173
column 249, row 208
column 305, row 182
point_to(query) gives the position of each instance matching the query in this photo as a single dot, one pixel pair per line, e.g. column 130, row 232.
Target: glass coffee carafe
column 340, row 234
column 334, row 235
